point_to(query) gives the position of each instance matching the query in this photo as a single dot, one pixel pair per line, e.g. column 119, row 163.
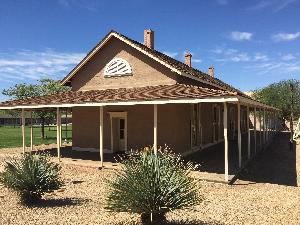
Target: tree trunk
column 43, row 128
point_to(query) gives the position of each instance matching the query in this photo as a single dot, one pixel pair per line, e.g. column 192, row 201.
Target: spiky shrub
column 153, row 184
column 31, row 176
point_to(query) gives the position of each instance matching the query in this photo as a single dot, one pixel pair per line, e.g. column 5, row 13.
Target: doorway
column 118, row 121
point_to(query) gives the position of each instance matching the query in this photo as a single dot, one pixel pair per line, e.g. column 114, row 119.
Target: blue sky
column 250, row 43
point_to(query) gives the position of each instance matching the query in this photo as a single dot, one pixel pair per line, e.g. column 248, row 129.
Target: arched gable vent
column 117, row 67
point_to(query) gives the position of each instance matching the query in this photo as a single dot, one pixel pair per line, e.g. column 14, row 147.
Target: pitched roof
column 161, row 92
column 180, row 66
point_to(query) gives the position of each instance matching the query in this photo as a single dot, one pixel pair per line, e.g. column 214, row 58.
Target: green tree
column 43, row 87
column 280, row 95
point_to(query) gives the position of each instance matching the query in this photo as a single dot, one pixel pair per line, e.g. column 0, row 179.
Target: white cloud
column 288, row 57
column 196, row 60
column 240, row 36
column 223, row 50
column 275, row 5
column 223, row 54
column 171, row 54
column 260, row 57
column 32, row 65
column 276, row 66
column 91, row 5
column 293, row 68
column 258, row 62
column 285, row 36
column 241, row 57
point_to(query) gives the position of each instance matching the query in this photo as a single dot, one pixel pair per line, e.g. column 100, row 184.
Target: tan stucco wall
column 173, row 126
column 146, row 71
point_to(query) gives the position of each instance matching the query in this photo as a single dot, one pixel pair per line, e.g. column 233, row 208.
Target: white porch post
column 31, row 132
column 58, row 132
column 155, row 130
column 23, row 130
column 239, row 135
column 267, row 125
column 260, row 129
column 264, row 121
column 275, row 121
column 101, row 135
column 254, row 129
column 225, row 141
column 249, row 137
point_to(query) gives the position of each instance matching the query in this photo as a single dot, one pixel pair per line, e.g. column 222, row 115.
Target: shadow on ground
column 193, row 223
column 275, row 165
column 61, row 202
column 181, row 223
column 67, row 152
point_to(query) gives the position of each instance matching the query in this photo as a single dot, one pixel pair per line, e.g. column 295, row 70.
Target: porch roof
column 162, row 94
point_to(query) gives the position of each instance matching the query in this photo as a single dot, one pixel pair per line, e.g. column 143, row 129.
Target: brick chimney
column 149, row 38
column 211, row 71
column 188, row 59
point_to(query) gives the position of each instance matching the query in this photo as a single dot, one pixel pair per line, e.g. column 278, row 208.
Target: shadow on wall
column 275, row 165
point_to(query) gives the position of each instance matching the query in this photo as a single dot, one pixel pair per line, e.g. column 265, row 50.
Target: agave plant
column 153, row 184
column 31, row 176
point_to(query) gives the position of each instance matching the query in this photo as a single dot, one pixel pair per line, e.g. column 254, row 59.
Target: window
column 117, row 67
column 122, row 129
column 216, row 122
column 194, row 125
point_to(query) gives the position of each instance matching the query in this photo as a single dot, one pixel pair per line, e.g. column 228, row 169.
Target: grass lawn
column 12, row 136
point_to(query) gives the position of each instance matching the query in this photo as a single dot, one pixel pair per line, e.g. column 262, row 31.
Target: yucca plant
column 153, row 184
column 31, row 176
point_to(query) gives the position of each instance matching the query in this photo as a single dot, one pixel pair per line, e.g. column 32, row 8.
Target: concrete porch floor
column 211, row 159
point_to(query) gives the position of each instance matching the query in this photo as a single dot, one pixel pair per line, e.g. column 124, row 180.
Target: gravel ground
column 271, row 197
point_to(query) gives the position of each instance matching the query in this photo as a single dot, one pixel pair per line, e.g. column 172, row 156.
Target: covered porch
column 233, row 136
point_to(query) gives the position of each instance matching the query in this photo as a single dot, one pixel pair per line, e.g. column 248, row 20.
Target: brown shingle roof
column 182, row 66
column 176, row 91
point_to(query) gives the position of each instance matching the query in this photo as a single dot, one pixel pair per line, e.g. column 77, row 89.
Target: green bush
column 31, row 176
column 152, row 184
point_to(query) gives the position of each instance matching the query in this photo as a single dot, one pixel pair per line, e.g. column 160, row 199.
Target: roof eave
column 145, row 102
